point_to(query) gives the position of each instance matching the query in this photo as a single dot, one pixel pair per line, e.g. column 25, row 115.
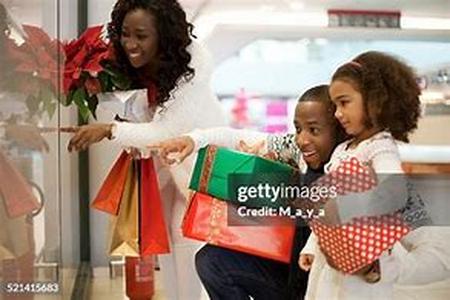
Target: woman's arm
column 192, row 105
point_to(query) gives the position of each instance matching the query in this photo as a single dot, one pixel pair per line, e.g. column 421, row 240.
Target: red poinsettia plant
column 34, row 69
column 90, row 70
column 83, row 68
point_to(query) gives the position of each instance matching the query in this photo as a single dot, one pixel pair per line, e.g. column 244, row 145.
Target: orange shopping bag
column 108, row 198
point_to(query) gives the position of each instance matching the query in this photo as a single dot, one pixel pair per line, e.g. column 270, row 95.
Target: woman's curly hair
column 389, row 90
column 175, row 35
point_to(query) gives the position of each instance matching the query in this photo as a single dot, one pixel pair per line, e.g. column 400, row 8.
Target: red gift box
column 207, row 219
column 351, row 176
column 360, row 242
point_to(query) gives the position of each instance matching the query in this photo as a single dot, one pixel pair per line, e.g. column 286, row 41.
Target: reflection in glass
column 28, row 105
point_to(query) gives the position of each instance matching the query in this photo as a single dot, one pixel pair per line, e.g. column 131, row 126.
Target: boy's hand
column 305, row 261
column 256, row 149
column 174, row 150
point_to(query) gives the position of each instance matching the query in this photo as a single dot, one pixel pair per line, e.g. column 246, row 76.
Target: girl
column 228, row 274
column 155, row 47
column 377, row 102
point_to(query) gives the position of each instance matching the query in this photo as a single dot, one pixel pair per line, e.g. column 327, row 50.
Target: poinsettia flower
column 93, row 86
column 37, row 57
column 84, row 54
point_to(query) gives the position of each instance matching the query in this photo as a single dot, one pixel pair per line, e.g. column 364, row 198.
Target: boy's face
column 316, row 132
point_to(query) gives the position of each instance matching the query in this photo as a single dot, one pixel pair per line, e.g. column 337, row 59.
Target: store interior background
column 265, row 53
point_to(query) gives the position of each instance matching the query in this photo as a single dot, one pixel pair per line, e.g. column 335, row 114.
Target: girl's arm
column 426, row 260
column 311, row 246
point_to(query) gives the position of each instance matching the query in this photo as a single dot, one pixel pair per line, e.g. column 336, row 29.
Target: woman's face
column 140, row 38
column 316, row 132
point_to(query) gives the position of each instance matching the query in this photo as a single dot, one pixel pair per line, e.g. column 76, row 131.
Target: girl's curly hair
column 389, row 89
column 175, row 35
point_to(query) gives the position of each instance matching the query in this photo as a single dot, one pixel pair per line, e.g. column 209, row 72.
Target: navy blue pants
column 228, row 274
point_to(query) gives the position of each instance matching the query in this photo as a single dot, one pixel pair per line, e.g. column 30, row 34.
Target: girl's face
column 139, row 38
column 316, row 132
column 350, row 110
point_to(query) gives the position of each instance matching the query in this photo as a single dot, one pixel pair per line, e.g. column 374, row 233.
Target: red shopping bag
column 139, row 229
column 17, row 193
column 153, row 237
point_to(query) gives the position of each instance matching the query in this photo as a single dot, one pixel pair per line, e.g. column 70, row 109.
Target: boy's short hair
column 320, row 93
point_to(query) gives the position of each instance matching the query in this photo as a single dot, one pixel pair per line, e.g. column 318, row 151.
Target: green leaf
column 47, row 98
column 121, row 81
column 32, row 104
column 51, row 108
column 110, row 70
column 79, row 98
column 67, row 100
column 92, row 104
column 105, row 81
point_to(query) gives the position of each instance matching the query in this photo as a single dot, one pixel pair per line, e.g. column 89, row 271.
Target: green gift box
column 242, row 178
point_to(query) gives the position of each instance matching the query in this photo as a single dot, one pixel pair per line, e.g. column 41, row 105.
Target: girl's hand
column 174, row 150
column 86, row 135
column 305, row 261
column 370, row 273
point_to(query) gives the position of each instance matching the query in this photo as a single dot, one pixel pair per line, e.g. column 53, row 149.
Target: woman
column 154, row 46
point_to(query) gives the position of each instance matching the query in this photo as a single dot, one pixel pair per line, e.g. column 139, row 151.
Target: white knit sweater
column 192, row 105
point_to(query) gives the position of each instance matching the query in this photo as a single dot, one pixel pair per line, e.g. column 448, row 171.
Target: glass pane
column 35, row 263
